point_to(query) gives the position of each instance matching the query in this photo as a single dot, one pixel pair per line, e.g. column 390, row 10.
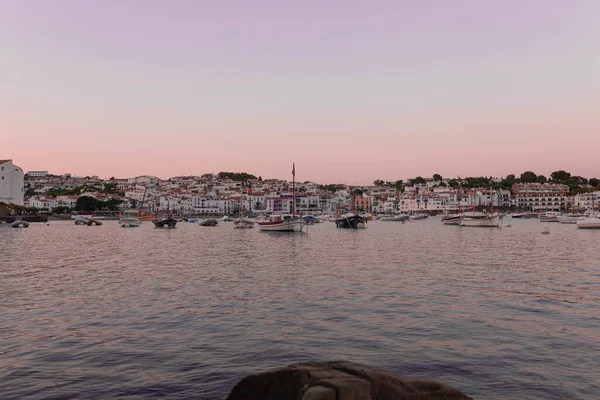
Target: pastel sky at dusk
column 348, row 90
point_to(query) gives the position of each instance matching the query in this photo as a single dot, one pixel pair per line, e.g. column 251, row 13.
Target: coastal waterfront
column 93, row 312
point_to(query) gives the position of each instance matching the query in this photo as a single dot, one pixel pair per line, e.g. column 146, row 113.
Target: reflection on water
column 92, row 312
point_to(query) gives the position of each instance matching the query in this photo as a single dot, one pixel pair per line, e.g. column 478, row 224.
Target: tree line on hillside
column 575, row 183
column 106, row 188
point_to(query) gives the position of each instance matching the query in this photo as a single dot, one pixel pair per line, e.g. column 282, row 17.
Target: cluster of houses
column 210, row 195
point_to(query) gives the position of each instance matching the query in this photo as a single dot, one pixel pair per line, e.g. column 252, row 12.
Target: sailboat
column 592, row 221
column 164, row 220
column 490, row 219
column 241, row 222
column 454, row 219
column 284, row 223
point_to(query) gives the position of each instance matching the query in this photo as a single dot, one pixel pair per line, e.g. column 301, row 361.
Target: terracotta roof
column 4, row 161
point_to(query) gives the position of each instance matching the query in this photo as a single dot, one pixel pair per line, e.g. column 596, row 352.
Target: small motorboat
column 94, row 222
column 209, row 222
column 243, row 223
column 167, row 222
column 81, row 221
column 20, row 224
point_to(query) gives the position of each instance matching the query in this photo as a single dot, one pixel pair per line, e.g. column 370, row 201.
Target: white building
column 11, row 183
column 37, row 174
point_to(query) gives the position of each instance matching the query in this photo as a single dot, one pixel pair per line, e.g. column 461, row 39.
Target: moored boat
column 282, row 223
column 20, row 224
column 350, row 221
column 490, row 220
column 550, row 216
column 570, row 218
column 395, row 218
column 167, row 222
column 209, row 222
column 591, row 222
column 243, row 223
column 129, row 219
column 452, row 219
column 418, row 216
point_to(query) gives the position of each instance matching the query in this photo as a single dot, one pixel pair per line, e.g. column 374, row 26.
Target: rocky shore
column 338, row 380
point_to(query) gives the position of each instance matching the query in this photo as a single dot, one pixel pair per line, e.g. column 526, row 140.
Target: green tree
column 528, row 177
column 542, row 179
column 560, row 176
column 236, row 176
column 399, row 186
column 87, row 203
column 453, row 183
column 594, row 182
column 378, row 182
column 437, row 177
column 113, row 204
column 61, row 210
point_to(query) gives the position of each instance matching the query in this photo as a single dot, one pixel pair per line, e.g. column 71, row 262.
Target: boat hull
column 130, row 223
column 281, row 226
column 243, row 224
column 167, row 223
column 482, row 222
column 589, row 223
column 452, row 220
column 350, row 222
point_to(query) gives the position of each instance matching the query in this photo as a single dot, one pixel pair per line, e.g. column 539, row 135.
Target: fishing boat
column 209, row 222
column 526, row 215
column 550, row 216
column 350, row 221
column 81, row 221
column 129, row 219
column 94, row 222
column 490, row 219
column 284, row 222
column 452, row 219
column 395, row 218
column 165, row 221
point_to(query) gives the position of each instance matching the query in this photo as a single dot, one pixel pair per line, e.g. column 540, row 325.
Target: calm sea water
column 103, row 312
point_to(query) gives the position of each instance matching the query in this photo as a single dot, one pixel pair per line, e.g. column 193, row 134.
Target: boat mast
column 293, row 190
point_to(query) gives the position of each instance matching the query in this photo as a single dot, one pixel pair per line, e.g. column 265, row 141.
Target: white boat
column 452, row 219
column 243, row 223
column 570, row 218
column 87, row 216
column 395, row 218
column 284, row 222
column 281, row 223
column 550, row 216
column 418, row 217
column 589, row 223
column 490, row 220
column 129, row 219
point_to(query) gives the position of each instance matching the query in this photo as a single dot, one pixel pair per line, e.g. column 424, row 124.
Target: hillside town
column 224, row 193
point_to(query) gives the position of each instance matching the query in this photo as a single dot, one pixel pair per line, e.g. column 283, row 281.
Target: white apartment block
column 11, row 183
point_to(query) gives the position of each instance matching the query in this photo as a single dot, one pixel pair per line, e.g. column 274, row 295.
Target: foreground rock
column 338, row 380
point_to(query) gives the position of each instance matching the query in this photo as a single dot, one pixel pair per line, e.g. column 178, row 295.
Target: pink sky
column 349, row 91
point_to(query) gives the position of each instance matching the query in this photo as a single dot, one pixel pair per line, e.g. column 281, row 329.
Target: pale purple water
column 104, row 312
